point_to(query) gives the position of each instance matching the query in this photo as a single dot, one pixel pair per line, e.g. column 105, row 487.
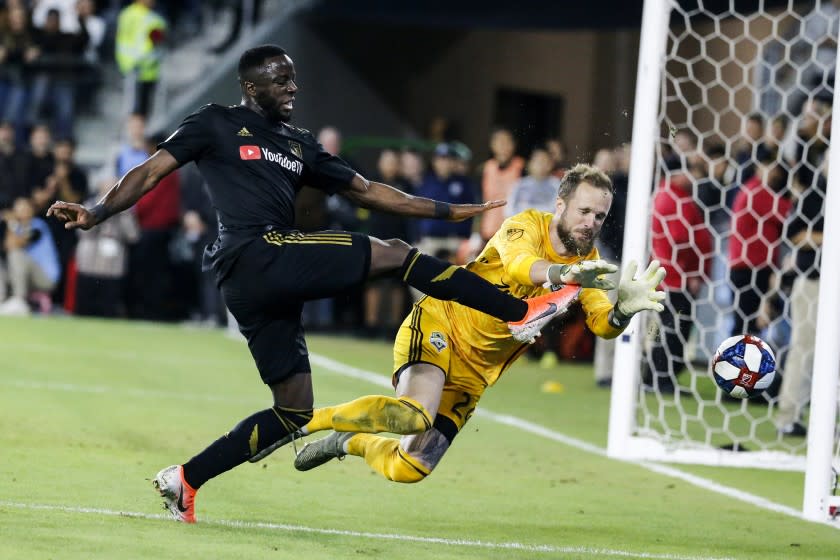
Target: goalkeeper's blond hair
column 583, row 173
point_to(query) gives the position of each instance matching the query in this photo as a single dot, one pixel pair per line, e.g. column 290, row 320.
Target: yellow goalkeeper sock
column 373, row 414
column 321, row 420
column 385, row 456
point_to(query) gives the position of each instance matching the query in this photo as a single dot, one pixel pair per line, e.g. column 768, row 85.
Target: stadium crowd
column 739, row 226
column 760, row 194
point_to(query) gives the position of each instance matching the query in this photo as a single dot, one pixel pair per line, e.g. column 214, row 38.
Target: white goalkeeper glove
column 584, row 274
column 638, row 294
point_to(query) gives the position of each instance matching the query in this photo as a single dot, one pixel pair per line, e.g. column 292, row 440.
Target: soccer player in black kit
column 255, row 163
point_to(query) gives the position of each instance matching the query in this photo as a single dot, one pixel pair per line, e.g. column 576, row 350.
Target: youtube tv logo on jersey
column 249, row 152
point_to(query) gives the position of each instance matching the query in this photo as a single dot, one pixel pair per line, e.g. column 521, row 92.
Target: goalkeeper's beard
column 573, row 245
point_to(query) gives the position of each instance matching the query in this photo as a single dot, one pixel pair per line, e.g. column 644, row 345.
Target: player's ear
column 249, row 87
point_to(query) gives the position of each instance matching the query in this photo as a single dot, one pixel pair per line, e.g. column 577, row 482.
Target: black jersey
column 254, row 169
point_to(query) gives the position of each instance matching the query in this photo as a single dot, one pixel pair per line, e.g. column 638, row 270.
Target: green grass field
column 90, row 410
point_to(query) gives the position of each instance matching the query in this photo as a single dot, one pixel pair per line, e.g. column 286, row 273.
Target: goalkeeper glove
column 636, row 295
column 584, row 274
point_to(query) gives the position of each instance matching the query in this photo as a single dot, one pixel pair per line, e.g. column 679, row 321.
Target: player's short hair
column 254, row 58
column 583, row 173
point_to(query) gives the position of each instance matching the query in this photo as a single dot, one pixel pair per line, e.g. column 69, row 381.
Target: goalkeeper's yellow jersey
column 484, row 342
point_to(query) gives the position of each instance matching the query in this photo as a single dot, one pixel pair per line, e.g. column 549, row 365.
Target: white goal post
column 633, row 434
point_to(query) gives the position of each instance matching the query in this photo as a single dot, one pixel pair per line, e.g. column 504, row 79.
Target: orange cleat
column 178, row 496
column 541, row 310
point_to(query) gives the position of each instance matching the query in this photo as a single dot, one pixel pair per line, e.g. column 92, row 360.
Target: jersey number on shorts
column 464, row 408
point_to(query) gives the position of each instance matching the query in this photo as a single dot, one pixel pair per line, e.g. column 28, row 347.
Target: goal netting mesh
column 744, row 115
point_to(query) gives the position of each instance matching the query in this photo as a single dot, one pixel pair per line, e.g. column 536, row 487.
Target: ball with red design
column 744, row 366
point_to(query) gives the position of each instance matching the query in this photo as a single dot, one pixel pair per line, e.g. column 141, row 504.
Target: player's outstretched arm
column 128, row 190
column 638, row 294
column 379, row 196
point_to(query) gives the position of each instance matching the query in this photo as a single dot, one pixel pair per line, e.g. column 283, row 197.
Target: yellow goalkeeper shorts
column 424, row 338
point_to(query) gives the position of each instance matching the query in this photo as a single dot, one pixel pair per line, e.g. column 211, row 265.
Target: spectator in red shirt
column 683, row 245
column 160, row 208
column 758, row 215
column 150, row 276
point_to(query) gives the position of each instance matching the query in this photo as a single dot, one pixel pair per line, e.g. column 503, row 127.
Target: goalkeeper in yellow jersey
column 446, row 354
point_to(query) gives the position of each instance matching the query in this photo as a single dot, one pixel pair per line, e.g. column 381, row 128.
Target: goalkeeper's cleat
column 276, row 445
column 319, row 452
column 541, row 310
column 178, row 496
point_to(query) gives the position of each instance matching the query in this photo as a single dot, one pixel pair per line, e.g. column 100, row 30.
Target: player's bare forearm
column 134, row 184
column 385, row 198
column 122, row 196
column 382, row 197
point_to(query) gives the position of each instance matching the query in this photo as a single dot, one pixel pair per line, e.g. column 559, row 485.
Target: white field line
column 383, row 381
column 536, row 429
column 536, row 548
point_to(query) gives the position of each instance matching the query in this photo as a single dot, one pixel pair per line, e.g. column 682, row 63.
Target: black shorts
column 273, row 276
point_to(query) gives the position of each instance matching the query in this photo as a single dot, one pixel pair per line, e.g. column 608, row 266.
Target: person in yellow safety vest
column 139, row 42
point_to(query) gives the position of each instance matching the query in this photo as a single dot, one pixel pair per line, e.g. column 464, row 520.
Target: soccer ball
column 744, row 366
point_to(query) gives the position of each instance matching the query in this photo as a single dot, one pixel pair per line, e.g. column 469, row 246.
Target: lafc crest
column 296, row 149
column 514, row 233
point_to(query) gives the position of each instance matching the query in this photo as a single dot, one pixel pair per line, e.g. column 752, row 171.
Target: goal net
column 732, row 122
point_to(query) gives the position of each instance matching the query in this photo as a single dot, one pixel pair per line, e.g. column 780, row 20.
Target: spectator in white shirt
column 95, row 26
column 537, row 190
column 68, row 16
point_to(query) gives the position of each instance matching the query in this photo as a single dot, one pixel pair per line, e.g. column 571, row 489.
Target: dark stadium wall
column 579, row 66
column 391, row 80
column 614, row 89
column 331, row 92
column 348, row 82
column 425, row 72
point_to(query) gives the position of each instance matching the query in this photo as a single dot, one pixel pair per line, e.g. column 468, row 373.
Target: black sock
column 442, row 280
column 253, row 434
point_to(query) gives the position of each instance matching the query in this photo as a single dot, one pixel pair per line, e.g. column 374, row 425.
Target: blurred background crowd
column 736, row 219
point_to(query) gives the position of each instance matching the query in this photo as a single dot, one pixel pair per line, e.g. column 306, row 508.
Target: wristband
column 442, row 210
column 99, row 213
column 617, row 319
column 564, row 268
